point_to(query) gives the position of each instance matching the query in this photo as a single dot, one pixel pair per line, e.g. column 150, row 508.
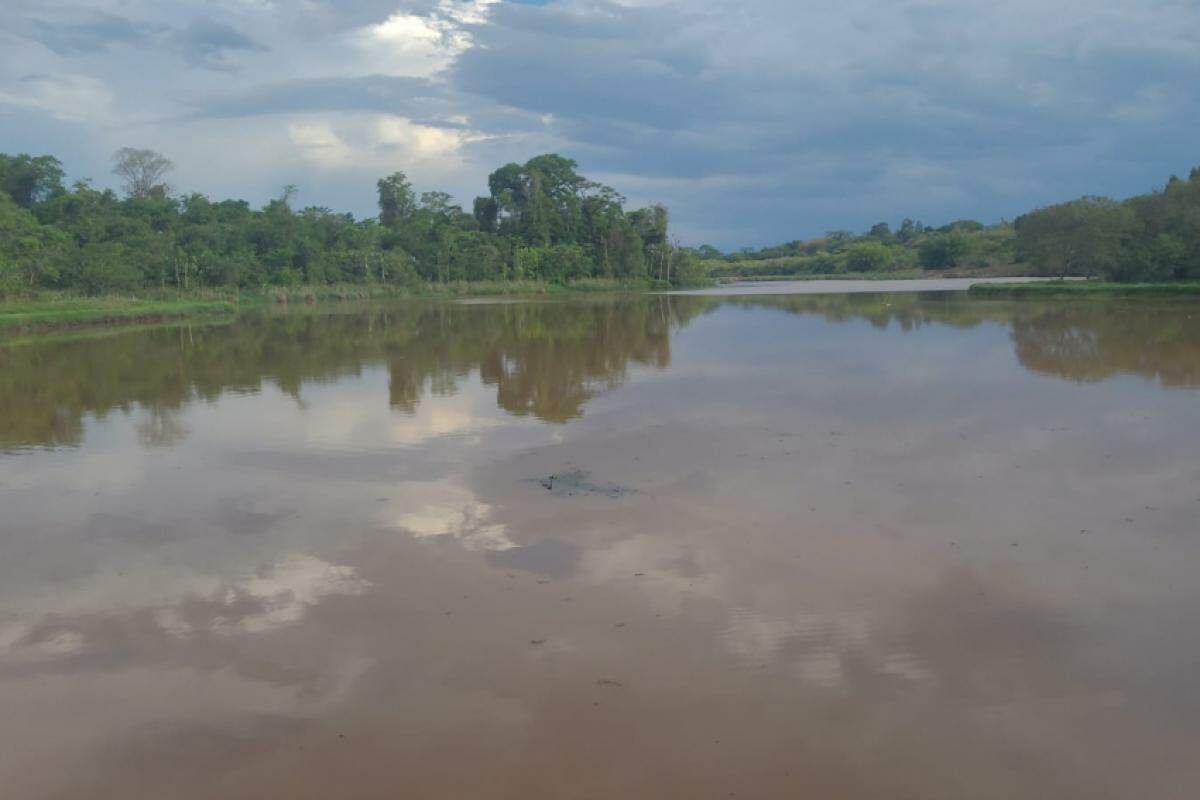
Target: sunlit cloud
column 413, row 44
column 317, row 142
column 418, row 141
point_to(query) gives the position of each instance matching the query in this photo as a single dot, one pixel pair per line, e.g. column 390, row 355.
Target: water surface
column 851, row 546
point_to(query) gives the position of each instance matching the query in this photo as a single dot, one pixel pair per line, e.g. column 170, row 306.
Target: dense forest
column 1151, row 237
column 540, row 221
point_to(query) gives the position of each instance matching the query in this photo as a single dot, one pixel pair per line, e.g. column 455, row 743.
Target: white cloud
column 418, row 141
column 369, row 144
column 420, row 45
column 317, row 142
column 69, row 98
column 406, row 44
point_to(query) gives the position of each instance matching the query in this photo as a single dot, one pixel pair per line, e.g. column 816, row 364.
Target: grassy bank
column 65, row 310
column 1002, row 271
column 1085, row 289
column 451, row 290
column 60, row 311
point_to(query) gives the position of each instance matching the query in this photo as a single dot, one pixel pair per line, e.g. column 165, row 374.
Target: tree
column 652, row 224
column 542, row 200
column 509, row 191
column 104, row 267
column 868, row 256
column 486, row 214
column 29, row 180
column 1083, row 237
column 28, row 251
column 687, row 269
column 286, row 194
column 397, row 202
column 967, row 225
column 143, row 171
column 439, row 204
column 943, row 250
column 543, row 220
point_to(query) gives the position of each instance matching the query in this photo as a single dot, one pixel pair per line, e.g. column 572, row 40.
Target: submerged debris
column 578, row 482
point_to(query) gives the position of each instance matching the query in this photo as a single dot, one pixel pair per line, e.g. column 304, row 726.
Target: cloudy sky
column 755, row 121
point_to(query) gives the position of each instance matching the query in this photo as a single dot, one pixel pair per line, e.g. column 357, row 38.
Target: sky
column 755, row 121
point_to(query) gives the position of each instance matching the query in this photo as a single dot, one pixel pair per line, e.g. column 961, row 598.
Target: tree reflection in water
column 546, row 359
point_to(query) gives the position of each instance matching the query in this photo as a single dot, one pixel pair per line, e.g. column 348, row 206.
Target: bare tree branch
column 142, row 171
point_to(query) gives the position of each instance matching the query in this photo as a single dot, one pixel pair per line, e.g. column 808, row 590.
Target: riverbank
column 1084, row 289
column 915, row 273
column 64, row 310
column 834, row 286
column 50, row 311
column 899, row 275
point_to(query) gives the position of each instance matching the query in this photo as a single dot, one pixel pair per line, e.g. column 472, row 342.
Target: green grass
column 71, row 311
column 67, row 310
column 451, row 290
column 1085, row 289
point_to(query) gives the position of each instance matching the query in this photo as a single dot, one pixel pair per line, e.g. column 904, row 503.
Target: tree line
column 964, row 243
column 541, row 220
column 1149, row 237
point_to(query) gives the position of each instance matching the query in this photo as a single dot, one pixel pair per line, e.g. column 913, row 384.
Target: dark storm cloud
column 210, row 44
column 852, row 112
column 90, row 32
column 77, row 31
column 599, row 66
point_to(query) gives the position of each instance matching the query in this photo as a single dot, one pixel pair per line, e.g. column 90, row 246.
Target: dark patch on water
column 572, row 482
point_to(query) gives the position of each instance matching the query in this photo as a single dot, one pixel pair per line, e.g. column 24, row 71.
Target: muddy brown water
column 839, row 546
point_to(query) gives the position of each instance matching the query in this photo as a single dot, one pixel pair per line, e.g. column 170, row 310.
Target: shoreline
column 1084, row 289
column 55, row 311
column 48, row 311
column 895, row 275
column 69, row 313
